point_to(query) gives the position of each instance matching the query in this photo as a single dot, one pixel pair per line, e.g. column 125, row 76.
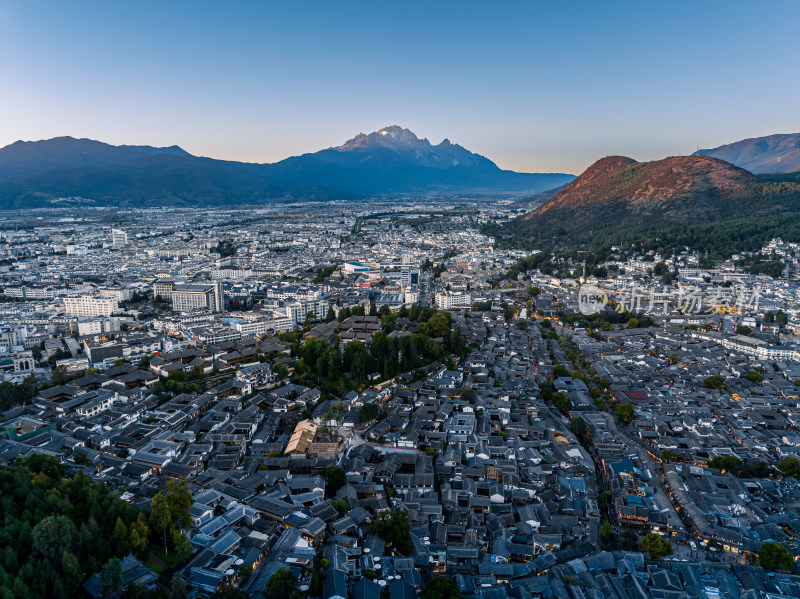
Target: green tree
column 160, row 516
column 561, row 401
column 560, row 370
column 367, row 413
column 244, row 573
column 667, row 455
column 774, row 556
column 626, row 412
column 53, row 535
column 335, row 479
column 656, row 545
column 181, row 544
column 468, row 394
column 579, row 429
column 177, row 587
column 754, row 377
column 440, row 587
column 743, row 330
column 628, row 542
column 726, row 463
column 790, row 467
column 715, row 381
column 438, row 325
column 65, row 525
column 340, row 505
column 607, row 529
column 121, row 536
column 228, row 591
column 179, row 500
column 283, row 585
column 60, row 375
column 393, row 527
column 139, row 533
column 111, row 576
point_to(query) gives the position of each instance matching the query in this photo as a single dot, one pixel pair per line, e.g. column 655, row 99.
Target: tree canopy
column 335, row 479
column 715, row 381
column 774, row 556
column 440, row 587
column 283, row 585
column 626, row 412
column 393, row 527
column 66, row 526
column 367, row 413
column 790, row 467
column 655, row 545
column 561, row 401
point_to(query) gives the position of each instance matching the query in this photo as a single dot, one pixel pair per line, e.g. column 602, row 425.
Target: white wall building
column 119, row 239
column 445, row 300
column 97, row 326
column 85, row 306
column 197, row 296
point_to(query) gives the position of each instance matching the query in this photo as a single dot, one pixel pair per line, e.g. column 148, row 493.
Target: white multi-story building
column 119, row 239
column 86, row 306
column 293, row 292
column 30, row 293
column 219, row 274
column 298, row 310
column 197, row 296
column 13, row 336
column 445, row 300
column 121, row 294
column 162, row 287
column 97, row 326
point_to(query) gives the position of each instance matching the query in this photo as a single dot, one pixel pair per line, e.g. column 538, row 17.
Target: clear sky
column 535, row 86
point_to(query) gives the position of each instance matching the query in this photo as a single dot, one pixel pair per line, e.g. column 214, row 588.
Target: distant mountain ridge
column 35, row 157
column 617, row 195
column 407, row 147
column 761, row 155
column 390, row 161
column 394, row 160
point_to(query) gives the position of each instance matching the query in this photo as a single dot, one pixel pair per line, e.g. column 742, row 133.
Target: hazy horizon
column 533, row 88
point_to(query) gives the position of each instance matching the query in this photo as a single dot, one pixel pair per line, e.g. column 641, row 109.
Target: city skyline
column 535, row 89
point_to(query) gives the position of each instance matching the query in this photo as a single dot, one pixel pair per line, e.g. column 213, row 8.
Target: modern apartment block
column 85, row 306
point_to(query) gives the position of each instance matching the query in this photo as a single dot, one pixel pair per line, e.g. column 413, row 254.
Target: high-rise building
column 119, row 239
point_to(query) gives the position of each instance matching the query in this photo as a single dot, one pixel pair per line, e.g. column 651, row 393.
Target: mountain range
column 619, row 199
column 759, row 155
column 390, row 161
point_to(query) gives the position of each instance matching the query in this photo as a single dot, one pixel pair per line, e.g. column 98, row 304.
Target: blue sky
column 535, row 86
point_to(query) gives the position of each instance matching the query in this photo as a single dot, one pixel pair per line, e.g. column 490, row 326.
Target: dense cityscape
column 378, row 401
column 399, row 300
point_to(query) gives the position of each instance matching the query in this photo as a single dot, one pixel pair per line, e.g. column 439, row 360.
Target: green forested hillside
column 57, row 530
column 699, row 202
